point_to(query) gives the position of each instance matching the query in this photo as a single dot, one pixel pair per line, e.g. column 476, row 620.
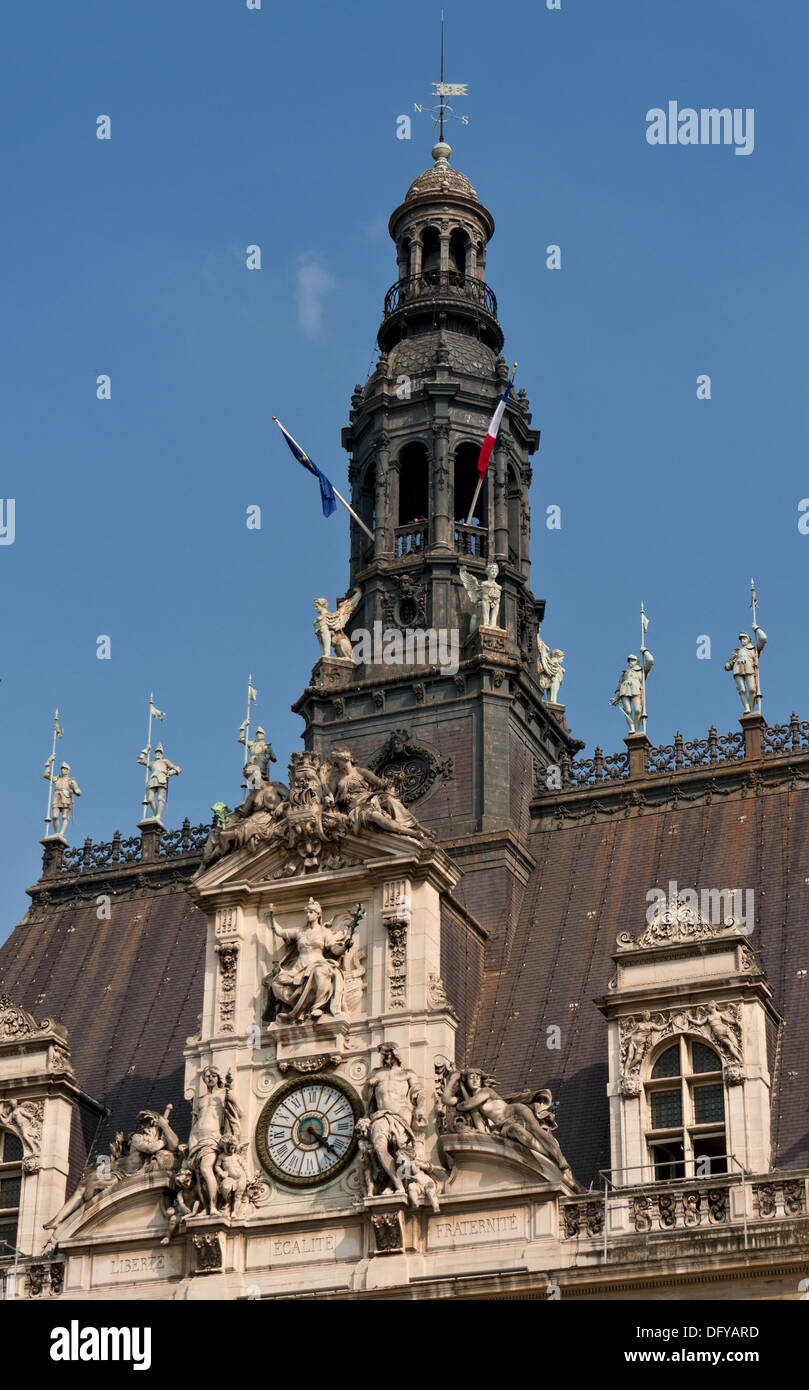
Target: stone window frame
column 10, row 1216
column 688, row 1131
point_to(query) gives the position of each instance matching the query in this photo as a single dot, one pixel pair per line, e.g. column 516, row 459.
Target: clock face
column 306, row 1131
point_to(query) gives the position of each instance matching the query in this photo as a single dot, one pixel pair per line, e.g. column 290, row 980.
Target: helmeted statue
column 630, row 690
column 157, row 783
column 329, row 626
column 258, row 752
column 744, row 665
column 485, row 595
column 64, row 789
column 551, row 670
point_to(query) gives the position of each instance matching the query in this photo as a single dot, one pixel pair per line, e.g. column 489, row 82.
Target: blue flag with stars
column 327, row 498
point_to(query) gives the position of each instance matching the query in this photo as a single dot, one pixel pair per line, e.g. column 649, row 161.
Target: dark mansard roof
column 130, row 990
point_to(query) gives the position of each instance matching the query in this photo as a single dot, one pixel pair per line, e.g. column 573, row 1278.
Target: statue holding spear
column 744, row 662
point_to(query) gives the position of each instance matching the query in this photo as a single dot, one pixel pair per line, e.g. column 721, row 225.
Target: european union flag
column 327, row 498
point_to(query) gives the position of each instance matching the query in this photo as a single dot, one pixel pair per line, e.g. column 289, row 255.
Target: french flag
column 491, row 433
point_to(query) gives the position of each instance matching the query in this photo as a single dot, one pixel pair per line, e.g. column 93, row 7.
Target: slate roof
column 130, row 990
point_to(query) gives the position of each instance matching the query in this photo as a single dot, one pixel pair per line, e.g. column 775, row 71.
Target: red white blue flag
column 491, row 433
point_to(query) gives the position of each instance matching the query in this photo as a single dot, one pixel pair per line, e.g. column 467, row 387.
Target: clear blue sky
column 277, row 126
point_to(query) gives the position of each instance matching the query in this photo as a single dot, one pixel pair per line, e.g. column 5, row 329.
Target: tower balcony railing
column 472, row 541
column 437, row 285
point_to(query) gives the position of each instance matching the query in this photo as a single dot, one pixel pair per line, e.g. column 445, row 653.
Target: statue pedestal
column 753, row 725
column 638, row 746
column 332, row 671
column 54, row 847
column 487, row 641
column 309, row 1047
column 150, row 831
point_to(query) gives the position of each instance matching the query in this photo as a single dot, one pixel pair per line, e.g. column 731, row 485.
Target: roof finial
column 441, row 152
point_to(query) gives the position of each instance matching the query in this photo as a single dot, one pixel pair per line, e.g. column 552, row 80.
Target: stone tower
column 470, row 741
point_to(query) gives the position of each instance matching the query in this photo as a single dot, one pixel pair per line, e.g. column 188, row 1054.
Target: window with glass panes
column 10, row 1188
column 685, row 1111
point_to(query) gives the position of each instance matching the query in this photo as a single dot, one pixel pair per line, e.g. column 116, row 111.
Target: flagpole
column 145, row 802
column 483, row 475
column 50, row 779
column 753, row 603
column 246, row 757
column 338, row 495
column 644, row 623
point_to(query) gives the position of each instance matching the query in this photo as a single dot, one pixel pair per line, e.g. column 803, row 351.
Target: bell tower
column 468, row 735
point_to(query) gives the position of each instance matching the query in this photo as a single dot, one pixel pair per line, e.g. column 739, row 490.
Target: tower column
column 393, row 501
column 501, row 503
column 415, row 256
column 444, row 250
column 440, row 536
column 383, row 528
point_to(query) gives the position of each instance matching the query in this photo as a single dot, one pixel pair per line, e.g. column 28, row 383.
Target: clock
column 306, row 1133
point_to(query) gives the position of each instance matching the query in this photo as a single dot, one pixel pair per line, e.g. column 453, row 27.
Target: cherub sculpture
column 551, row 670
column 485, row 595
column 329, row 627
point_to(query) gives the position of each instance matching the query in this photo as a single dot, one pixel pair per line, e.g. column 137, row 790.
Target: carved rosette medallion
column 418, row 770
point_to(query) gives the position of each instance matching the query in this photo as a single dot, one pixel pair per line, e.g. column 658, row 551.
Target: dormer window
column 685, row 1111
column 10, row 1188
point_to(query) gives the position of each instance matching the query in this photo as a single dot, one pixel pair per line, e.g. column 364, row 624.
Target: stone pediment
column 333, row 815
column 684, row 920
column 271, row 865
column 481, row 1161
column 131, row 1208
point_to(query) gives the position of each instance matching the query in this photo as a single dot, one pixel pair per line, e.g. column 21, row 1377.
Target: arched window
column 458, row 242
column 414, row 496
column 367, row 497
column 685, row 1111
column 514, row 496
column 10, row 1187
column 468, row 539
column 431, row 254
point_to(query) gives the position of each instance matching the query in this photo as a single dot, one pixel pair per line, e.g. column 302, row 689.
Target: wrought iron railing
column 786, row 738
column 437, row 284
column 114, row 853
column 697, row 752
column 582, row 772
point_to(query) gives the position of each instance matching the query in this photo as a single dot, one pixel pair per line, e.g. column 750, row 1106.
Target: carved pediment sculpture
column 14, row 1021
column 152, row 1148
column 24, row 1118
column 325, row 802
column 719, row 1025
column 675, row 921
column 470, row 1102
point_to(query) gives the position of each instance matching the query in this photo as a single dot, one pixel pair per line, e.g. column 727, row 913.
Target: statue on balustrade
column 630, row 693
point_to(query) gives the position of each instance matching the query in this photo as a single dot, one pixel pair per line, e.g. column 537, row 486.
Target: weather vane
column 443, row 111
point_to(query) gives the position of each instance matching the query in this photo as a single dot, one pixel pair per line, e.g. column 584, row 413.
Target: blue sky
column 277, row 127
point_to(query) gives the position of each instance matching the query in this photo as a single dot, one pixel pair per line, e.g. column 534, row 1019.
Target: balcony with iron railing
column 435, row 285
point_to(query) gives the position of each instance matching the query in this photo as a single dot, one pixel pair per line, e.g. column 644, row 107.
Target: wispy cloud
column 313, row 284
